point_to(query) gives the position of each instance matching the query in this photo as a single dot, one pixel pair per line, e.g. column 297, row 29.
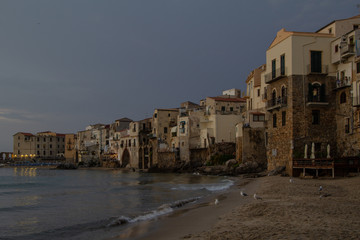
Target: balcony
column 342, row 83
column 273, row 76
column 276, row 103
column 318, row 100
column 347, row 50
column 317, row 70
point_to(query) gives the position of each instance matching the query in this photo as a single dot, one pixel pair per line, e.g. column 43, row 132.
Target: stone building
column 70, row 148
column 43, row 145
column 346, row 58
column 220, row 118
column 250, row 133
column 93, row 142
column 188, row 129
column 302, row 95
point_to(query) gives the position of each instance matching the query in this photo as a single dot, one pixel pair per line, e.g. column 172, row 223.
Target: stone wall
column 286, row 142
column 166, row 160
column 253, row 146
column 198, row 156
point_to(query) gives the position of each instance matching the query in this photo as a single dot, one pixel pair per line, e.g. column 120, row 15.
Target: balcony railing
column 276, row 103
column 323, row 69
column 341, row 83
column 347, row 50
column 279, row 73
column 317, row 100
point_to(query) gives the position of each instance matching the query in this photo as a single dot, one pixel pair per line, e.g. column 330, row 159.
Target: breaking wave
column 223, row 185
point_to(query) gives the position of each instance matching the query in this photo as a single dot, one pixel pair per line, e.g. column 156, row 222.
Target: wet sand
column 286, row 211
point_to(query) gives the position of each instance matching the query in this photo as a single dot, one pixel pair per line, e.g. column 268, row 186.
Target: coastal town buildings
column 250, row 133
column 92, row 142
column 303, row 96
column 43, row 145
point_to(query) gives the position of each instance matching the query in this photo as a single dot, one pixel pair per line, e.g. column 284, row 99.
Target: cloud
column 19, row 116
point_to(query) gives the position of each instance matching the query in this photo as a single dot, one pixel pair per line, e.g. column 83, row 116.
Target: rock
column 277, row 171
column 231, row 163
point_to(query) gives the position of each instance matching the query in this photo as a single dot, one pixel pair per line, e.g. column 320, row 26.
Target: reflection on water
column 25, row 172
column 28, row 201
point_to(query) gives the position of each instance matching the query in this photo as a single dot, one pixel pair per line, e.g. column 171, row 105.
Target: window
column 223, row 109
column 165, row 130
column 283, row 118
column 134, row 129
column 258, row 91
column 315, row 61
column 134, row 142
column 51, row 153
column 38, row 139
column 343, row 98
column 129, row 142
column 316, row 117
column 169, row 115
column 330, row 30
column 358, row 67
column 273, row 68
column 273, row 100
column 44, row 139
column 155, row 115
column 50, row 139
column 355, row 27
column 50, row 145
column 18, row 144
column 44, row 153
column 258, row 118
column 231, row 109
column 282, row 65
column 38, row 146
column 336, row 48
column 274, row 120
column 347, row 125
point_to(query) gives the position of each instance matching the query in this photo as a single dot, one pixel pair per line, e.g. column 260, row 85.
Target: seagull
column 256, row 197
column 320, row 188
column 216, row 201
column 291, row 180
column 243, row 194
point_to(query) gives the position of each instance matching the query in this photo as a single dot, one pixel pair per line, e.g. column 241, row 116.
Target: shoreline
column 287, row 211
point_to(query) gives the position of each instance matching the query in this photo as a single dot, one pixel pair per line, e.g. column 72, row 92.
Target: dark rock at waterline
column 67, row 166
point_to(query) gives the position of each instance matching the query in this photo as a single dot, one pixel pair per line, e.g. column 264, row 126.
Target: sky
column 67, row 64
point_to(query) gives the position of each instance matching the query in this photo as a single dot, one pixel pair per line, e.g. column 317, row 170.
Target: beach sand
column 286, row 211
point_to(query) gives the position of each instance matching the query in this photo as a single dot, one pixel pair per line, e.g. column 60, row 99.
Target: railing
column 276, row 102
column 313, row 163
column 317, row 99
column 279, row 73
column 346, row 82
column 323, row 69
column 347, row 50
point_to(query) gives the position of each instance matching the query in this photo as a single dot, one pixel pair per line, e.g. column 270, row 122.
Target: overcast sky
column 66, row 64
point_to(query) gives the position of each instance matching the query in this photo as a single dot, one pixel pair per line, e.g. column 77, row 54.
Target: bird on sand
column 256, row 197
column 320, row 188
column 243, row 194
column 291, row 180
column 216, row 201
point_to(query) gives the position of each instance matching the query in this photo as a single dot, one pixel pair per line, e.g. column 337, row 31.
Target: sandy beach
column 286, row 211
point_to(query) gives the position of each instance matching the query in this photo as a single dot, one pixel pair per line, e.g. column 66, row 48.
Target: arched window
column 343, row 97
column 273, row 97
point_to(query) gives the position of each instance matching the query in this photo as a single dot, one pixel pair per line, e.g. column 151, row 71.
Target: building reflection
column 25, row 172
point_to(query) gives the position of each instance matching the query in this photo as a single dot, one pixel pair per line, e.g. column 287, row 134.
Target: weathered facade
column 43, row 145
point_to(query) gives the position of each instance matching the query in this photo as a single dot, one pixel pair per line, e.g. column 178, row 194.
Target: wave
column 225, row 184
column 162, row 210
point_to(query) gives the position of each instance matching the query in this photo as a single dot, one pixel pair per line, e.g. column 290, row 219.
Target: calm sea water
column 39, row 203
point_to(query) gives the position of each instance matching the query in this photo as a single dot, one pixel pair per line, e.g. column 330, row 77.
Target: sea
column 44, row 203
